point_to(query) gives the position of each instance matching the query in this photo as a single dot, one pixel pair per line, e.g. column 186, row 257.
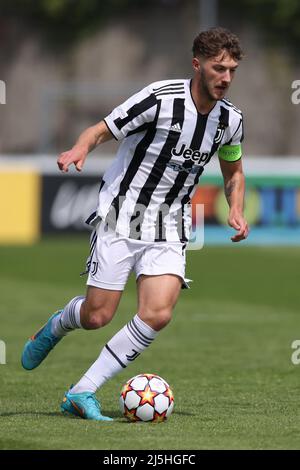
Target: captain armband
column 230, row 153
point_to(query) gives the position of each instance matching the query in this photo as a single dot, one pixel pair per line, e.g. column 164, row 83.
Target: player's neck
column 203, row 103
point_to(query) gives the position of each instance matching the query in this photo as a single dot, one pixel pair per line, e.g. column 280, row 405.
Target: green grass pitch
column 226, row 354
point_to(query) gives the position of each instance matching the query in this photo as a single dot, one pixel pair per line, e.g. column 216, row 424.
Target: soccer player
column 169, row 131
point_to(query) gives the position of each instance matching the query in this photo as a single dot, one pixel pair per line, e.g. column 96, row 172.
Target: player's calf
column 99, row 307
column 96, row 319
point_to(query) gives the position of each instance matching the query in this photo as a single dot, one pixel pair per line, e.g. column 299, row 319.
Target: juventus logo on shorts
column 94, row 267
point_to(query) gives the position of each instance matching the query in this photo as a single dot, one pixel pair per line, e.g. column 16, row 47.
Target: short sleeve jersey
column 166, row 144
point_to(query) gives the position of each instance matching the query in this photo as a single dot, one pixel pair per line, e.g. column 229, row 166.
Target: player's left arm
column 234, row 188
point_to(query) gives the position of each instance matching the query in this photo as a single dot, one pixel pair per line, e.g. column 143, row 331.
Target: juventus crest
column 219, row 134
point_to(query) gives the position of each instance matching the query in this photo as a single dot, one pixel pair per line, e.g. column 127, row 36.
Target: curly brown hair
column 210, row 43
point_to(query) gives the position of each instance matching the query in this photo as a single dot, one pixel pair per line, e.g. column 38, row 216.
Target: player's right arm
column 87, row 141
column 131, row 116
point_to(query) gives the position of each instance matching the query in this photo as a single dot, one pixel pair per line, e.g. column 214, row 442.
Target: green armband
column 230, row 153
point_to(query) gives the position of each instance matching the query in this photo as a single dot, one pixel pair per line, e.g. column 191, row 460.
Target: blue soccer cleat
column 84, row 405
column 39, row 345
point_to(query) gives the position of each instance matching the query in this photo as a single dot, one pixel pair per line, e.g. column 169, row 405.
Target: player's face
column 215, row 74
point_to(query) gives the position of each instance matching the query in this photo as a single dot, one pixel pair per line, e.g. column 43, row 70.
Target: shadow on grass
column 29, row 413
column 56, row 414
column 113, row 414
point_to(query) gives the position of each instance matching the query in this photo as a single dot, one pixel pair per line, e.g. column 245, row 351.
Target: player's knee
column 163, row 320
column 96, row 318
column 157, row 319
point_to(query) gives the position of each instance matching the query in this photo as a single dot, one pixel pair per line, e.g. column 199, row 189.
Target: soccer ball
column 146, row 397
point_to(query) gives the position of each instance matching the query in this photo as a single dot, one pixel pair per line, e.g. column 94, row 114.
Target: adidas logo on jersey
column 176, row 127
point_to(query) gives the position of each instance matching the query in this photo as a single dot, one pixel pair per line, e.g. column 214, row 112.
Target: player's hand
column 237, row 221
column 76, row 156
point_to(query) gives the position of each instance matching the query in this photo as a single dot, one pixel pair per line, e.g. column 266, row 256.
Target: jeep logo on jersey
column 190, row 154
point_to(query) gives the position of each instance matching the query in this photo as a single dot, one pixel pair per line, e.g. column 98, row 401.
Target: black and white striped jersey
column 166, row 143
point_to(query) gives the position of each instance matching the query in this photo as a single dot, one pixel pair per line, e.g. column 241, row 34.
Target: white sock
column 69, row 319
column 120, row 351
column 85, row 385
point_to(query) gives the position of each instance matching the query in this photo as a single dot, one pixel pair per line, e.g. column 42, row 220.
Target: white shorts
column 113, row 257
